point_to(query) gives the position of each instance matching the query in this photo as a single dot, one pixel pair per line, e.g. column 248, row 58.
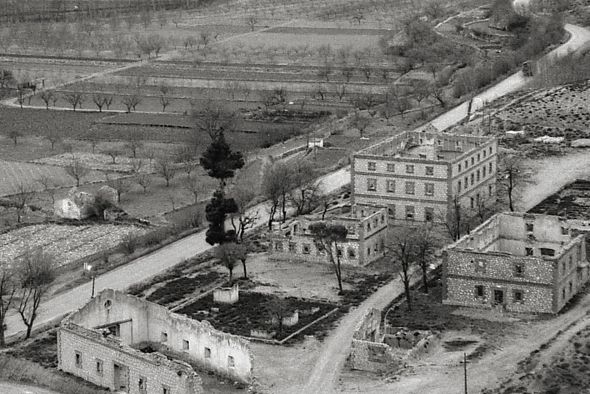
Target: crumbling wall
column 226, row 354
column 372, row 356
column 227, row 295
column 370, row 327
column 92, row 357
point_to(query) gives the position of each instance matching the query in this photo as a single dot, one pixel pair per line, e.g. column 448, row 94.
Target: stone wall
column 143, row 321
column 227, row 295
column 92, row 357
column 372, row 357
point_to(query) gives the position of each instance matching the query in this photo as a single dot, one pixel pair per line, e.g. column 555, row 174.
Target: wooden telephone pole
column 465, row 370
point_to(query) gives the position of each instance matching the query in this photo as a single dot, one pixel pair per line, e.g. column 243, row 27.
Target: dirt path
column 14, row 388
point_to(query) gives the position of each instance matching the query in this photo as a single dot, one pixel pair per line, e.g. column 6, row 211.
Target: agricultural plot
column 254, row 311
column 101, row 162
column 66, row 243
column 18, row 176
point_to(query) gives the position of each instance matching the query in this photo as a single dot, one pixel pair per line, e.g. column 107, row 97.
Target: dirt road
column 13, row 388
column 146, row 267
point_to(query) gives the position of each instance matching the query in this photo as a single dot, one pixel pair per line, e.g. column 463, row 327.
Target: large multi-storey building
column 519, row 262
column 420, row 175
column 365, row 241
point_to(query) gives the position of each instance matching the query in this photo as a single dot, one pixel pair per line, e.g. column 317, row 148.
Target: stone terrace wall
column 154, row 369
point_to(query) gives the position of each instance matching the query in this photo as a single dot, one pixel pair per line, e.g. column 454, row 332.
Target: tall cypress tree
column 220, row 162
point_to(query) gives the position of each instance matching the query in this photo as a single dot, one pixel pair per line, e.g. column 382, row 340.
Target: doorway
column 121, row 377
column 498, row 296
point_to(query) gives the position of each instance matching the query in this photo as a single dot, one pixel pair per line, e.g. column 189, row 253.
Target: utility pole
column 465, row 370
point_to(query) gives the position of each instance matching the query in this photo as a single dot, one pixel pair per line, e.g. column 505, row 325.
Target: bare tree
column 243, row 194
column 100, row 100
column 275, row 184
column 144, row 180
column 166, row 169
column 121, row 185
column 278, row 308
column 21, row 199
column 113, row 153
column 48, row 187
column 164, row 96
column 226, row 253
column 252, row 21
column 134, row 142
column 425, row 242
column 46, row 96
column 77, row 170
column 35, row 272
column 194, row 185
column 8, row 289
column 131, row 101
column 53, row 136
column 512, row 176
column 403, row 250
column 360, row 122
column 326, row 238
column 304, row 190
column 14, row 135
column 75, row 99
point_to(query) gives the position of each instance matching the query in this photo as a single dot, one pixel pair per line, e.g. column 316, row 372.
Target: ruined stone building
column 378, row 347
column 419, row 176
column 102, row 343
column 517, row 262
column 365, row 242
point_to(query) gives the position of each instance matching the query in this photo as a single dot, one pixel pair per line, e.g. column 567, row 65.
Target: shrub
column 129, row 243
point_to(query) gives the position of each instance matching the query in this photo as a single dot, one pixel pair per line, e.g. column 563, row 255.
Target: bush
column 129, row 243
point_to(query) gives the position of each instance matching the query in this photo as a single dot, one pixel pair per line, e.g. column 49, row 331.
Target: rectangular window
column 372, row 166
column 466, row 164
column 519, row 270
column 391, row 211
column 472, row 160
column 517, row 296
column 292, row 247
column 484, row 172
column 185, row 345
column 390, row 167
column 391, row 186
column 279, row 246
column 163, row 337
column 528, row 251
column 409, row 168
column 372, row 184
column 477, row 175
column 458, row 186
column 166, row 390
column 306, row 249
column 459, row 168
column 490, row 190
column 484, row 153
column 78, row 359
column 490, row 168
column 472, row 179
column 142, row 385
column 428, row 214
column 480, row 266
column 564, row 230
column 479, row 291
column 547, row 252
column 429, row 189
column 478, row 157
column 207, row 352
column 466, row 183
column 231, row 363
column 429, row 170
column 410, row 186
column 471, row 202
column 409, row 212
column 99, row 367
column 529, row 227
column 490, row 150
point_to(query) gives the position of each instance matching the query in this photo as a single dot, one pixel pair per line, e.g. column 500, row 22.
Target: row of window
column 410, row 212
column 206, row 351
column 350, row 252
column 410, row 168
column 479, row 157
column 474, row 177
column 99, row 371
column 517, row 295
column 410, row 187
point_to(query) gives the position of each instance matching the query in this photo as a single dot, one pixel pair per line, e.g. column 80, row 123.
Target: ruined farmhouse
column 517, row 262
column 134, row 346
column 365, row 241
column 421, row 176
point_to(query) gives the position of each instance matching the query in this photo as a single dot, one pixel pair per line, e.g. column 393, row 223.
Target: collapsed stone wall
column 95, row 358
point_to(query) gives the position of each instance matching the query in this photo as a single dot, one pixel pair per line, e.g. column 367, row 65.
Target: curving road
column 336, row 347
